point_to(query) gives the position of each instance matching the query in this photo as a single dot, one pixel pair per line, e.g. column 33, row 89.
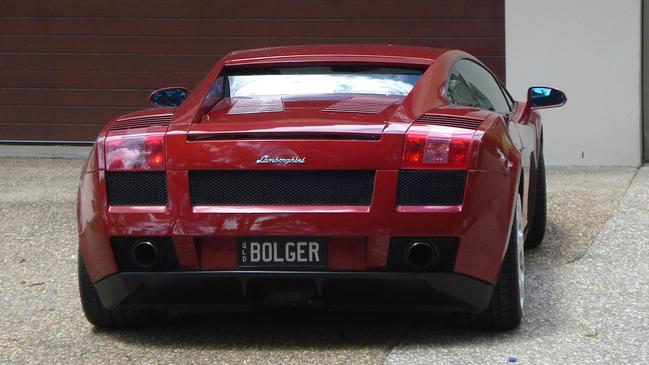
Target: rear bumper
column 481, row 223
column 381, row 290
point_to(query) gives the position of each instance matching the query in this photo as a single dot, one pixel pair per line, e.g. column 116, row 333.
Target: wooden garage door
column 68, row 66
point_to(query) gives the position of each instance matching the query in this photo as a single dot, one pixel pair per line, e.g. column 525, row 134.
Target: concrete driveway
column 587, row 293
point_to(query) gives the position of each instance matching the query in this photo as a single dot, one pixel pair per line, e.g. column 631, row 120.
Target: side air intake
column 450, row 121
column 141, row 122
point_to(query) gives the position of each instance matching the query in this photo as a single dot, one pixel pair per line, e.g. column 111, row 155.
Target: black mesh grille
column 281, row 187
column 431, row 187
column 136, row 188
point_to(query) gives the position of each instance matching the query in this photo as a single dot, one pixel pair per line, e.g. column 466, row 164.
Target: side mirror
column 541, row 97
column 168, row 96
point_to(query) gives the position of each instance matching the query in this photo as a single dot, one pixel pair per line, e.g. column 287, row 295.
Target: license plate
column 282, row 252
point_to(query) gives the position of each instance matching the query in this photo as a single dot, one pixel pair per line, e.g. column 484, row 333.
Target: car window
column 250, row 82
column 458, row 91
column 484, row 86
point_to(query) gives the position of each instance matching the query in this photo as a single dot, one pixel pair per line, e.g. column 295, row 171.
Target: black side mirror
column 541, row 97
column 168, row 96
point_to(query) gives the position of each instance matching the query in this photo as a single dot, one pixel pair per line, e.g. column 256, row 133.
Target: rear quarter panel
column 491, row 193
column 528, row 124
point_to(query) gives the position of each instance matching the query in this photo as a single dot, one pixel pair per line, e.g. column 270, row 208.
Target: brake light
column 436, row 147
column 136, row 149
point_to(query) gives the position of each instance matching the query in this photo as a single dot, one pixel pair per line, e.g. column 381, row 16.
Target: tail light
column 136, row 149
column 436, row 147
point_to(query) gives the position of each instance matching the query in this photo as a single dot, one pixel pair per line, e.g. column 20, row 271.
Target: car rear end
column 335, row 200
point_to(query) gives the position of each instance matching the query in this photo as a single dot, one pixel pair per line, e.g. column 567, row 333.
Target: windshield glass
column 322, row 80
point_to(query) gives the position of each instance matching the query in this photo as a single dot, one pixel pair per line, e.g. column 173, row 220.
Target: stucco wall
column 591, row 49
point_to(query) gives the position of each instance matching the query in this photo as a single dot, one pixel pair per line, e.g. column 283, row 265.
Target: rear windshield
column 250, row 82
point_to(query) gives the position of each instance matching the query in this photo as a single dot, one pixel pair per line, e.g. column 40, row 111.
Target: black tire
column 537, row 229
column 505, row 308
column 101, row 317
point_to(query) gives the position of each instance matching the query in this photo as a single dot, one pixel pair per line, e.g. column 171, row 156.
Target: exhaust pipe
column 421, row 255
column 145, row 254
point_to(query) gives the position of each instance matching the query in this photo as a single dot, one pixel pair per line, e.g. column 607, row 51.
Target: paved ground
column 586, row 302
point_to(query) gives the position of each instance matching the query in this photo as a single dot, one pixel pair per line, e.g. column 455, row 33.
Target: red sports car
column 331, row 176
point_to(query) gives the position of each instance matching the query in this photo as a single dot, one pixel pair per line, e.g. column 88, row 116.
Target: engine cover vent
column 450, row 121
column 257, row 105
column 141, row 122
column 361, row 104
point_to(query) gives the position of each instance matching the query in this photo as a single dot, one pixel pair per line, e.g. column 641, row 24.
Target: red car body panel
column 359, row 236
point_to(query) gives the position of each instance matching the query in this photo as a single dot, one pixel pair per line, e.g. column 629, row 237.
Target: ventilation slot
column 431, row 187
column 257, row 105
column 361, row 104
column 141, row 122
column 450, row 121
column 137, row 188
column 281, row 187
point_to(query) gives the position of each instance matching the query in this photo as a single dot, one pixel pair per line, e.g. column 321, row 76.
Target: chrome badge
column 281, row 161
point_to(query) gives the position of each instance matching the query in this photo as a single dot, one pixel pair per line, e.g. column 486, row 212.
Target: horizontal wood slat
column 202, row 46
column 94, row 62
column 69, row 66
column 97, row 80
column 373, row 28
column 73, row 97
column 275, row 9
column 61, row 115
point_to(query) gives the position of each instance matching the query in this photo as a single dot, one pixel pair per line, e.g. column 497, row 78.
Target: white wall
column 590, row 49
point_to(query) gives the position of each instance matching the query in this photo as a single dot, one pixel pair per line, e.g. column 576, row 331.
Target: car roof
column 363, row 53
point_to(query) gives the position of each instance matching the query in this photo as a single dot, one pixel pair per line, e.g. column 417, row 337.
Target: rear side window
column 486, row 91
column 250, row 82
column 459, row 92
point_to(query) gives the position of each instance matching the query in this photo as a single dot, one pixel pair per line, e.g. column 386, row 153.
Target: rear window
column 249, row 82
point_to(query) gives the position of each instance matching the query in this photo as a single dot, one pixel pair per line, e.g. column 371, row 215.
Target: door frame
column 644, row 38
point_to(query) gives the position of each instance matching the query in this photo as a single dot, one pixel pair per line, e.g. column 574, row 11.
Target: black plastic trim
column 445, row 246
column 122, row 251
column 449, row 291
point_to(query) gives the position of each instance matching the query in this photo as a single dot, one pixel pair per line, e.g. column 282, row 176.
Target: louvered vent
column 361, row 104
column 141, row 122
column 450, row 121
column 257, row 105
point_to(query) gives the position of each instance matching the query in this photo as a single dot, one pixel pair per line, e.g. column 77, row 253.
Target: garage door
column 68, row 66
